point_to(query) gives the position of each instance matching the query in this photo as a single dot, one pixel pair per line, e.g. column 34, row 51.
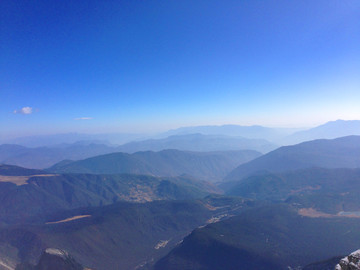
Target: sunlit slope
column 337, row 153
column 329, row 130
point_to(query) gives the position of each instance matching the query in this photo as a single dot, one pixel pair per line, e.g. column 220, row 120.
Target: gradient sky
column 134, row 66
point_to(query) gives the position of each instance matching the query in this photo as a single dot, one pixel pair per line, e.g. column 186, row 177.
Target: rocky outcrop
column 54, row 259
column 351, row 262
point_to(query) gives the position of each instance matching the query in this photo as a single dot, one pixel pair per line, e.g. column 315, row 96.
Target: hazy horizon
column 160, row 131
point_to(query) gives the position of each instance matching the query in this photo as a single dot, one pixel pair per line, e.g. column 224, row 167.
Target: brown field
column 313, row 213
column 68, row 219
column 21, row 180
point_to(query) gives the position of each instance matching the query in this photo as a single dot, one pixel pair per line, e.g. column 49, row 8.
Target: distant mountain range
column 43, row 157
column 277, row 136
column 251, row 132
column 210, row 166
column 199, row 142
column 337, row 153
column 54, row 140
column 329, row 130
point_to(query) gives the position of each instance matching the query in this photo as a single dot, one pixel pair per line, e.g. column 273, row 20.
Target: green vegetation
column 269, row 237
column 49, row 194
column 209, row 166
column 118, row 236
column 328, row 190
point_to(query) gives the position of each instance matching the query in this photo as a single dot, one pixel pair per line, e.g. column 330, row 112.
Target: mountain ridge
column 329, row 130
column 343, row 152
column 200, row 143
column 209, row 166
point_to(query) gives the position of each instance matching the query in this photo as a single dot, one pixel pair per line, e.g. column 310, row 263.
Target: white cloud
column 83, row 118
column 24, row 110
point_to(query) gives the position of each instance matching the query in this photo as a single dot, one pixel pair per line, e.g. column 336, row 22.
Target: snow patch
column 162, row 244
column 350, row 262
column 56, row 252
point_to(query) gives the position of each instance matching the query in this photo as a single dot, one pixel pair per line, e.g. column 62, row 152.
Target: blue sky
column 140, row 66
